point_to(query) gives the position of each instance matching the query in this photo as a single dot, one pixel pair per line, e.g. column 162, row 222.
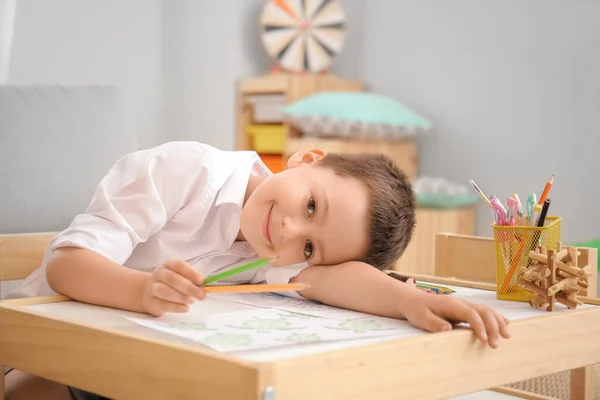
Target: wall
column 175, row 61
column 500, row 79
column 508, row 71
column 207, row 47
column 211, row 45
column 108, row 42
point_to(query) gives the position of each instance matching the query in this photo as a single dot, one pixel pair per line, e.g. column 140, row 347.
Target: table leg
column 583, row 382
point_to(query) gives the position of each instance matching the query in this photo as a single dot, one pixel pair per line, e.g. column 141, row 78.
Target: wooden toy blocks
column 554, row 276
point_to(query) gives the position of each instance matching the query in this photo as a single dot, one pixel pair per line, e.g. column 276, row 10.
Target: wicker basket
column 554, row 385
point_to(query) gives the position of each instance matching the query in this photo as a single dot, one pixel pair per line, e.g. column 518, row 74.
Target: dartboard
column 303, row 35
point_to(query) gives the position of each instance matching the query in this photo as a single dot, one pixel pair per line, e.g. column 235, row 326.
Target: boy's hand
column 433, row 312
column 172, row 287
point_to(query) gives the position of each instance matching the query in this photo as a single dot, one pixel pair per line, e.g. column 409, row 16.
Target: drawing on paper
column 284, row 303
column 281, row 301
column 262, row 328
column 292, row 314
column 190, row 326
column 302, row 338
column 266, row 325
column 298, row 323
column 360, row 326
column 225, row 341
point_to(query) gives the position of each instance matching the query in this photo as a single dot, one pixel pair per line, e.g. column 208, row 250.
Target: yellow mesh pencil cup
column 512, row 245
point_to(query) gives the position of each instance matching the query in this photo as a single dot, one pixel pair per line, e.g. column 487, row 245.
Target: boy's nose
column 291, row 229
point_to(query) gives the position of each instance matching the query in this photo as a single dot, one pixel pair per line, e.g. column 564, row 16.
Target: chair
column 21, row 254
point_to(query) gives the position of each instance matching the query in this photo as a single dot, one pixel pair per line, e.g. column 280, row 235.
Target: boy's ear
column 305, row 157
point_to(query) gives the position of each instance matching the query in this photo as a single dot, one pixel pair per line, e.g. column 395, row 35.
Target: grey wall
column 176, row 62
column 107, row 42
column 500, row 79
column 210, row 45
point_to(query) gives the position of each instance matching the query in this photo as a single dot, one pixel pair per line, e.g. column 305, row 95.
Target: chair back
column 22, row 253
column 473, row 258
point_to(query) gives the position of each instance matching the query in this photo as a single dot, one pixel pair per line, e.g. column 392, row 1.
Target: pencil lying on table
column 256, row 288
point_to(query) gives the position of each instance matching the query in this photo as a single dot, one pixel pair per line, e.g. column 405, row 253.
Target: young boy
column 165, row 218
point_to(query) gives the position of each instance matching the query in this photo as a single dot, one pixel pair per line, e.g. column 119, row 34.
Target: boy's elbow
column 57, row 269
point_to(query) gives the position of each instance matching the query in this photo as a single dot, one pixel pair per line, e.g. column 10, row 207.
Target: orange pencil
column 256, row 288
column 546, row 190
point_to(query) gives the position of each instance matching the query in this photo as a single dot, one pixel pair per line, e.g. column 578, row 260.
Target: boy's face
column 307, row 213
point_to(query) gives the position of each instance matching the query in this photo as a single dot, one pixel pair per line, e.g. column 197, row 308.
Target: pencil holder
column 512, row 246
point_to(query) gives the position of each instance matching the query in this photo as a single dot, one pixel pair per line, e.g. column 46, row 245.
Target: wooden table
column 97, row 349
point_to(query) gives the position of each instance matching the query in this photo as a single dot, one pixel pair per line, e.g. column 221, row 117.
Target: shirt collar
column 245, row 163
column 231, row 194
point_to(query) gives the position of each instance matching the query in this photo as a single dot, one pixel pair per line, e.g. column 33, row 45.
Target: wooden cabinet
column 269, row 93
column 420, row 254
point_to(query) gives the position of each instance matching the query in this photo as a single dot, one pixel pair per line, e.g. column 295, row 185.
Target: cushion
column 354, row 114
column 441, row 193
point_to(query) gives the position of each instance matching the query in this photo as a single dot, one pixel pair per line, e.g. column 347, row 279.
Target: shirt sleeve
column 279, row 275
column 137, row 197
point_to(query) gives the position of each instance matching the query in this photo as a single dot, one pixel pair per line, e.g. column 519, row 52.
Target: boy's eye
column 312, row 206
column 308, row 249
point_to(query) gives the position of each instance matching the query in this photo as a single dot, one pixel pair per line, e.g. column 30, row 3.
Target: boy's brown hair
column 392, row 209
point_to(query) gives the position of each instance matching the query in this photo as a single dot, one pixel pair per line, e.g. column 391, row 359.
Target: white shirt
column 177, row 201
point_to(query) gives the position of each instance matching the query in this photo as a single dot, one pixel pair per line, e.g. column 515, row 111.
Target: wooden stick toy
column 554, row 276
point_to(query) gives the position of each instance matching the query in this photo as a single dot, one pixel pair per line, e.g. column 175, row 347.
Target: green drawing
column 302, row 338
column 360, row 326
column 266, row 325
column 190, row 326
column 291, row 314
column 228, row 340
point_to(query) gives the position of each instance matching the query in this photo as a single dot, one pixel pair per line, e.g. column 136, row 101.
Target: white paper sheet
column 262, row 328
column 273, row 300
column 275, row 321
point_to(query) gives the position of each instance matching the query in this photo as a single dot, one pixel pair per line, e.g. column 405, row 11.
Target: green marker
column 531, row 200
column 235, row 271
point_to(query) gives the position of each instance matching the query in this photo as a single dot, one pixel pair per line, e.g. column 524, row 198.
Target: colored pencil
column 546, row 190
column 483, row 196
column 422, row 286
column 256, row 288
column 542, row 218
column 434, row 289
column 235, row 271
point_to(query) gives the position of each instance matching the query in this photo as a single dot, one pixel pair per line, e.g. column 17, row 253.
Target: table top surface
column 116, row 320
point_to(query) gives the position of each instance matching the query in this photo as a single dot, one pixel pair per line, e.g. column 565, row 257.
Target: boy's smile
column 267, row 225
column 306, row 213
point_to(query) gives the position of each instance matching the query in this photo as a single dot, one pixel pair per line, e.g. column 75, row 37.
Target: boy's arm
column 141, row 192
column 360, row 287
column 357, row 286
column 90, row 277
